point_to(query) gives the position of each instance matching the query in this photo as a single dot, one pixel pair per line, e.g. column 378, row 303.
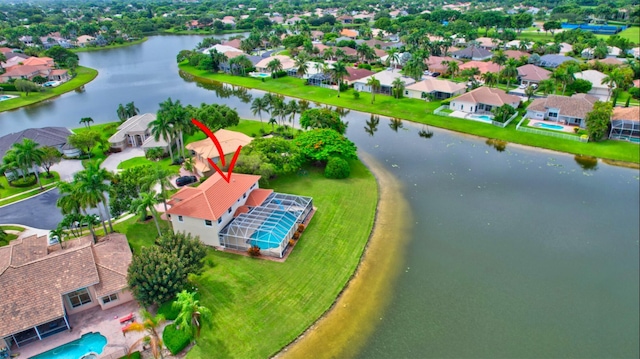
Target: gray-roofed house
column 46, row 136
column 568, row 110
column 135, row 132
column 473, row 53
column 43, row 284
column 554, row 60
column 386, row 79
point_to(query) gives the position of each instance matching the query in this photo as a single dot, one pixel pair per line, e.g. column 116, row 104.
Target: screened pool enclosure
column 625, row 130
column 269, row 226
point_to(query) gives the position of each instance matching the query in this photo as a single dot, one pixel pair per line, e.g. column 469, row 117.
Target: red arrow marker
column 213, row 138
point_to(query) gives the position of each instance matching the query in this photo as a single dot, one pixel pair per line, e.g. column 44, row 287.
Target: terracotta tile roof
column 488, row 96
column 626, row 113
column 608, row 61
column 231, row 54
column 636, row 83
column 349, row 33
column 576, row 106
column 38, row 61
column 5, row 50
column 431, row 85
column 437, row 60
column 241, row 210
column 233, row 43
column 257, row 196
column 58, row 72
column 229, row 141
column 357, row 74
column 32, row 292
column 516, row 54
column 212, row 198
column 533, row 73
column 25, row 70
column 286, row 61
column 484, row 67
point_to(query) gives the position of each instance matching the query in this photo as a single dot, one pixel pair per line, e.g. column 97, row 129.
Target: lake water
column 514, row 252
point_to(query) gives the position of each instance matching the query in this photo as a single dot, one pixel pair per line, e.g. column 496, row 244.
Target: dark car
column 435, row 74
column 185, row 180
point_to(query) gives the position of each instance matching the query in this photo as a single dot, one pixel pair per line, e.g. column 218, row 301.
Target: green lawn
column 632, row 34
column 139, row 161
column 248, row 127
column 6, row 190
column 106, row 130
column 422, row 112
column 113, row 46
column 84, row 76
column 10, row 236
column 267, row 304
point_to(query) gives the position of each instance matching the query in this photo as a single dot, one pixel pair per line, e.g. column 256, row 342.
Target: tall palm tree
column 339, row 54
column 122, row 113
column 546, row 86
column 398, row 87
column 615, row 78
column 328, row 53
column 499, row 58
column 146, row 201
column 303, row 105
column 150, row 325
column 259, row 105
column 131, row 109
column 452, row 68
column 92, row 186
column 338, row 72
column 86, row 121
column 293, row 108
column 192, row 314
column 374, row 85
column 163, row 125
column 510, row 71
column 274, row 66
column 27, row 156
column 160, row 176
column 301, row 66
column 558, row 75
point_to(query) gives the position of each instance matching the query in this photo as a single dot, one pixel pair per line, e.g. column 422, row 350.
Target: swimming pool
column 273, row 230
column 88, row 343
column 51, row 84
column 483, row 118
column 549, row 127
column 6, row 97
column 260, row 74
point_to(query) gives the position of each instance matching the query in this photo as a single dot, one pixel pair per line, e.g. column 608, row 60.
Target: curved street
column 38, row 212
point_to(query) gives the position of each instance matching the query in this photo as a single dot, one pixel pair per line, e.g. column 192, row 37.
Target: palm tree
column 510, row 71
column 546, row 86
column 339, row 71
column 149, row 324
column 615, row 78
column 394, row 56
column 339, row 54
column 301, row 66
column 86, row 121
column 146, row 201
column 293, row 109
column 328, row 53
column 160, row 176
column 558, row 75
column 259, row 105
column 274, row 66
column 122, row 113
column 303, row 105
column 272, row 122
column 398, row 87
column 192, row 314
column 499, row 58
column 374, row 85
column 91, row 188
column 54, row 233
column 131, row 109
column 163, row 125
column 452, row 68
column 27, row 156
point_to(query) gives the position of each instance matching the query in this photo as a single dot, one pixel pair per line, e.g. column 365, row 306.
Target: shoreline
column 344, row 328
column 110, row 47
column 66, row 87
column 504, row 137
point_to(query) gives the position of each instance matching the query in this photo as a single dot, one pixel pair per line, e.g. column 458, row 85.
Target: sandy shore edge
column 344, row 328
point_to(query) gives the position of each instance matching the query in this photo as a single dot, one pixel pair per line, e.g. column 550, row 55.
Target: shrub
column 8, row 87
column 296, row 235
column 24, row 182
column 634, row 92
column 168, row 310
column 254, row 251
column 364, row 66
column 445, row 103
column 301, row 228
column 576, row 129
column 337, row 168
column 356, row 94
column 154, row 153
column 175, row 339
column 134, row 355
column 291, row 242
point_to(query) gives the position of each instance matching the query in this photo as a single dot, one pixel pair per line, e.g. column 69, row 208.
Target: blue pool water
column 483, row 118
column 550, row 127
column 5, row 97
column 92, row 342
column 273, row 230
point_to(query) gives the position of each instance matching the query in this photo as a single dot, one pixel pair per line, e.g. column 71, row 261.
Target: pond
column 512, row 251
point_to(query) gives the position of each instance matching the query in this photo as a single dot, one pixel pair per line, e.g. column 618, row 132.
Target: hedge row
column 175, row 339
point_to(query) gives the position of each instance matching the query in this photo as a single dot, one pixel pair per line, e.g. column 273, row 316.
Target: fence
column 549, row 133
column 439, row 111
column 507, row 122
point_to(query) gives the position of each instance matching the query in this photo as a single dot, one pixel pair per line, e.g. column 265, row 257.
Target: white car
column 522, row 86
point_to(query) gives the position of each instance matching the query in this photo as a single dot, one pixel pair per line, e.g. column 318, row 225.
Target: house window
column 79, row 298
column 208, row 223
column 244, row 195
column 406, row 92
column 461, row 107
column 229, row 210
column 110, row 298
column 180, row 219
column 553, row 114
column 219, row 220
column 253, row 186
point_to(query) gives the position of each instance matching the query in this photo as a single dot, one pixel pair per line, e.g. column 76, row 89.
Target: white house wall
column 463, row 106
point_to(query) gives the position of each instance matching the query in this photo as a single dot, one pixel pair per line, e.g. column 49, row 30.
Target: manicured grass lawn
column 106, row 130
column 248, row 127
column 138, row 234
column 422, row 112
column 113, row 46
column 84, row 75
column 139, row 161
column 632, row 34
column 535, row 36
column 267, row 304
column 6, row 190
column 12, row 228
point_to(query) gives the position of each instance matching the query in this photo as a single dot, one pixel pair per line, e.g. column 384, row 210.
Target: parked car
column 435, row 74
column 185, row 180
column 522, row 86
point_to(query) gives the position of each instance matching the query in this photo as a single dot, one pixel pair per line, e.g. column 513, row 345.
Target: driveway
column 67, row 168
column 114, row 159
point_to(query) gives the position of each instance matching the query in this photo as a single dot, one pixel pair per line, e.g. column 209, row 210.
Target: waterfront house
column 386, row 79
column 567, row 110
column 625, row 124
column 206, row 149
column 55, row 137
column 433, row 88
column 483, row 100
column 238, row 214
column 44, row 282
column 356, row 74
column 598, row 89
column 135, row 132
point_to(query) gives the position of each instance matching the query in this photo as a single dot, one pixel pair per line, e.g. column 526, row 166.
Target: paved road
column 38, row 212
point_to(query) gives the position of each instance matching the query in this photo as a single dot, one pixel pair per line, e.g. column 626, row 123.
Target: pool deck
column 92, row 320
column 565, row 128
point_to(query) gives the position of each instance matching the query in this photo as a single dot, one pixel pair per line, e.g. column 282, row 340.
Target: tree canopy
column 323, row 118
column 598, row 119
column 322, row 144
